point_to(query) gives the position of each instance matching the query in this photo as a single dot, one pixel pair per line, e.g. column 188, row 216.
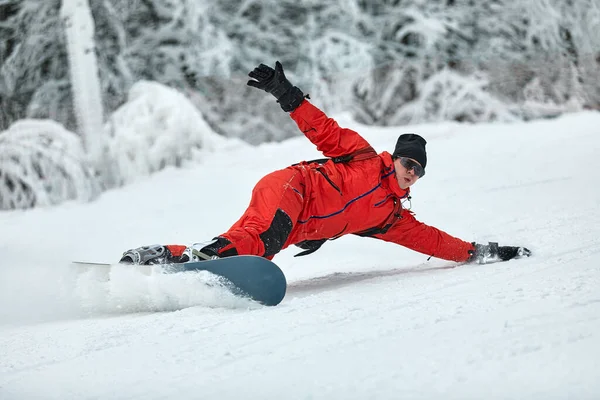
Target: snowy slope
column 362, row 319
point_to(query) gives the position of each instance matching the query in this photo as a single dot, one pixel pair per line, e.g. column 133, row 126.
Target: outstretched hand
column 509, row 252
column 488, row 253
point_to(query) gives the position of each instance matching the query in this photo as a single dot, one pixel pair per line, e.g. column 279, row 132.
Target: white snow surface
column 362, row 319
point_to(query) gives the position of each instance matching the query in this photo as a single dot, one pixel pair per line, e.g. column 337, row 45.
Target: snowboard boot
column 154, row 254
column 172, row 254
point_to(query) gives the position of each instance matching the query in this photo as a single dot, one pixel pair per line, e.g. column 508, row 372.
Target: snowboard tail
column 247, row 276
column 253, row 277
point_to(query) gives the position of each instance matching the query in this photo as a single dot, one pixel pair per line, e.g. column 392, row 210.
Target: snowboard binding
column 169, row 254
column 155, row 254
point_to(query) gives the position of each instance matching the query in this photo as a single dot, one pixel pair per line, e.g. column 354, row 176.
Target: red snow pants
column 265, row 227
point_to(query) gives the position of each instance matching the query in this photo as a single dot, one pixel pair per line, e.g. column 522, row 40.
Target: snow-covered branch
column 41, row 163
column 157, row 127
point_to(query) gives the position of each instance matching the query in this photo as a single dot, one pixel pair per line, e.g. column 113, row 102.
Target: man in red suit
column 353, row 190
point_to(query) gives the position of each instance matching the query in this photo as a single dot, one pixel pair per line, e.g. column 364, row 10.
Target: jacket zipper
column 329, row 180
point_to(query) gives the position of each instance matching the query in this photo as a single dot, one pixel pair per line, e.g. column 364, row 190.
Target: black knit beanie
column 412, row 146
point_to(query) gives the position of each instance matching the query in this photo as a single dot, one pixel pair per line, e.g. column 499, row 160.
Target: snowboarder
column 352, row 191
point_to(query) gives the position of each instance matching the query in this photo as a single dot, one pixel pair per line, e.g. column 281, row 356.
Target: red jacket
column 359, row 197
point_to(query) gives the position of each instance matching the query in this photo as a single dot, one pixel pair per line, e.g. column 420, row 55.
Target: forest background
column 88, row 88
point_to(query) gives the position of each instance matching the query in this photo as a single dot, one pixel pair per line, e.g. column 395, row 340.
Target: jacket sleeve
column 325, row 133
column 426, row 239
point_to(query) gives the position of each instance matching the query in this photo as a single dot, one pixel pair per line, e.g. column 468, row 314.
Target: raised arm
column 324, row 132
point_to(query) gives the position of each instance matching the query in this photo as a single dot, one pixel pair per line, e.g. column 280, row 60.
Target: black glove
column 489, row 253
column 274, row 81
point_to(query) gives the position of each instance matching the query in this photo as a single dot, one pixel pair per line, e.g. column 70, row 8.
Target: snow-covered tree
column 412, row 43
column 448, row 96
column 389, row 61
column 41, row 163
column 34, row 81
column 157, row 127
column 543, row 44
column 85, row 85
column 317, row 45
column 510, row 44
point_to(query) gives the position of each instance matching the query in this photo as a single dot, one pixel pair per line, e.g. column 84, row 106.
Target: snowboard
column 246, row 276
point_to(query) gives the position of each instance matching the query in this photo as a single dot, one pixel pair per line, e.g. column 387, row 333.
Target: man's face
column 406, row 171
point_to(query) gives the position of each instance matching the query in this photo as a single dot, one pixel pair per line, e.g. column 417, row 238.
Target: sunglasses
column 412, row 164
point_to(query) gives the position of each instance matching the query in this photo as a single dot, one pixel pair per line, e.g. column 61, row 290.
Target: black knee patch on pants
column 274, row 238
